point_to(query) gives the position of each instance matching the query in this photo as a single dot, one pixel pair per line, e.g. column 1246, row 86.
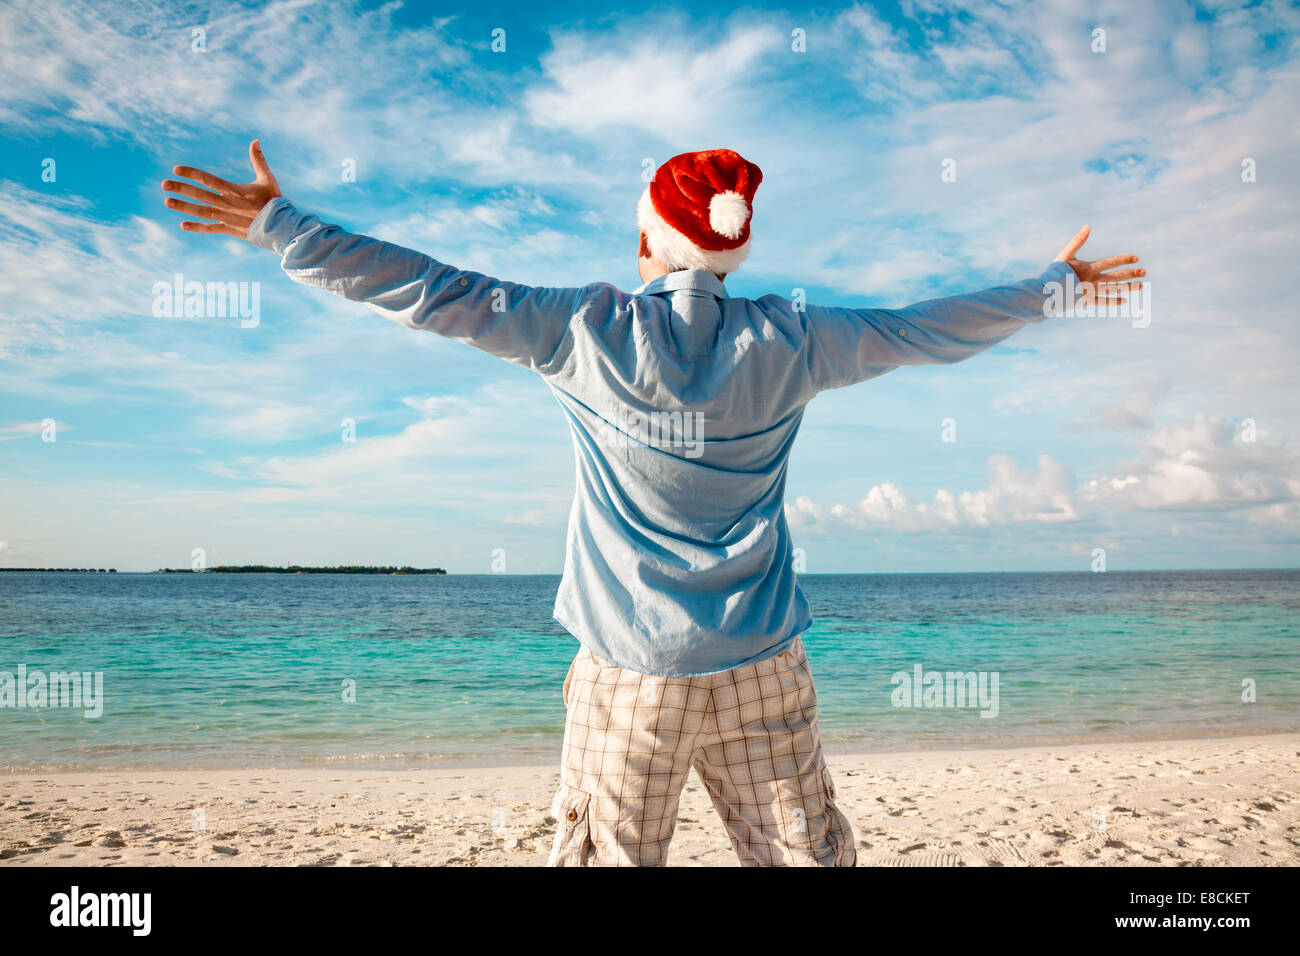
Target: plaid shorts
column 750, row 733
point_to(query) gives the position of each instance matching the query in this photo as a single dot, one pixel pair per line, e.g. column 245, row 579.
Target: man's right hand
column 1099, row 286
column 234, row 207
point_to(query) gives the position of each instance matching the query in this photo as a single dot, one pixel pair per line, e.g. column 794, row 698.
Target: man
column 683, row 404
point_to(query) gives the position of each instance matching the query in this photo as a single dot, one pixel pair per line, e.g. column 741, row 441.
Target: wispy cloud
column 28, row 429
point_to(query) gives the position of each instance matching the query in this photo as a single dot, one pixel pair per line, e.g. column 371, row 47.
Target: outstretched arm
column 852, row 345
column 521, row 324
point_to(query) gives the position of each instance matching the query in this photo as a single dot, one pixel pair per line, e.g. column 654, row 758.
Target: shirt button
column 571, row 815
column 464, row 282
column 903, row 332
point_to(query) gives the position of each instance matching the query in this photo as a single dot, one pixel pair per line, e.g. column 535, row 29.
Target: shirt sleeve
column 524, row 325
column 846, row 346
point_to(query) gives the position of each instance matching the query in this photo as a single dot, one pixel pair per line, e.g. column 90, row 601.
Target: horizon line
column 555, row 574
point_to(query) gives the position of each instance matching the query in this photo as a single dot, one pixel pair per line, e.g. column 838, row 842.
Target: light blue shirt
column 683, row 404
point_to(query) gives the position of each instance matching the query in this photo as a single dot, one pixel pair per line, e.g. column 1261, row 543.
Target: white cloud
column 1011, row 497
column 452, row 453
column 320, row 82
column 1199, row 465
column 646, row 77
column 266, row 422
column 1203, row 464
column 1135, row 410
column 28, row 430
column 59, row 263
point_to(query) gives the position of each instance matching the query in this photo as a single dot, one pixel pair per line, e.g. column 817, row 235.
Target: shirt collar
column 700, row 280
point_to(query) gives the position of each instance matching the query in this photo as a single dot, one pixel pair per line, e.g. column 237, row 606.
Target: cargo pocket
column 572, row 846
column 839, row 833
column 828, row 783
column 568, row 679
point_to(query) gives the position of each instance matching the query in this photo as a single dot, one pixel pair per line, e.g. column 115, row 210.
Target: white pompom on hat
column 697, row 209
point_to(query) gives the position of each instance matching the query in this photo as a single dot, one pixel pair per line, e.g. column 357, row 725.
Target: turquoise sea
column 251, row 670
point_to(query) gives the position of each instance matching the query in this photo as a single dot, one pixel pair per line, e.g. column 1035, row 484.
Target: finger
column 218, row 228
column 233, row 216
column 258, row 158
column 194, row 192
column 1101, row 265
column 193, row 209
column 1074, row 245
column 1126, row 274
column 207, row 179
column 1110, row 286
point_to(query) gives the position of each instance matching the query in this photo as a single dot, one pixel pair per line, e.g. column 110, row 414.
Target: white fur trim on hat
column 677, row 252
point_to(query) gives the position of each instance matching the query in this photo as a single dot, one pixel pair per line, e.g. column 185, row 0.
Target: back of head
column 696, row 211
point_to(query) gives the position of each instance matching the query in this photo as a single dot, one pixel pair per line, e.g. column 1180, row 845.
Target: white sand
column 1208, row 802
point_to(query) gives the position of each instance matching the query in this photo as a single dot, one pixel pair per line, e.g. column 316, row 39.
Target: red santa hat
column 696, row 211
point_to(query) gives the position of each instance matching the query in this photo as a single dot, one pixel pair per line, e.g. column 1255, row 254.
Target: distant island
column 65, row 570
column 298, row 569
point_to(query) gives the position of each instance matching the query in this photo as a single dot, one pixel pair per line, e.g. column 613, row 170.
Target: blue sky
column 176, row 433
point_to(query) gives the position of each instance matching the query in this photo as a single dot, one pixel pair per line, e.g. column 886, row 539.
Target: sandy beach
column 1217, row 802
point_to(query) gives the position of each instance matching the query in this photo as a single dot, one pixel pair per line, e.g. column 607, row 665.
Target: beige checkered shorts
column 750, row 733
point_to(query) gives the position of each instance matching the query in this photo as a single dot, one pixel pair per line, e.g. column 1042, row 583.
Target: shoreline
column 1218, row 801
column 401, row 764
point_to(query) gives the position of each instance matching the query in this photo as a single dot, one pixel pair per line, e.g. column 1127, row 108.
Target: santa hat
column 696, row 211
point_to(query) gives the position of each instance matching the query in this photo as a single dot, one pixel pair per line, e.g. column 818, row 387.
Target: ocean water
column 251, row 670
